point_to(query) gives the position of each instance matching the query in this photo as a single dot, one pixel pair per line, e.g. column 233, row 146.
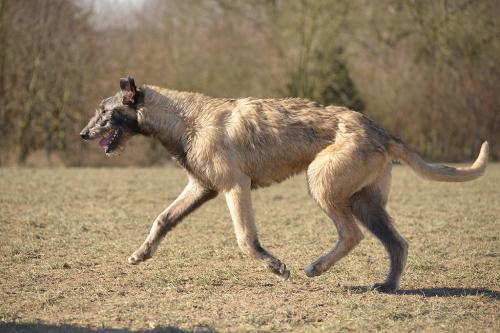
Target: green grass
column 65, row 235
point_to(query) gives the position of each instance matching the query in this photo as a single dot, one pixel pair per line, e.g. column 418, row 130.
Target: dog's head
column 115, row 120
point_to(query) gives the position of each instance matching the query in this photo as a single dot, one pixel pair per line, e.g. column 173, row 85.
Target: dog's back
column 273, row 139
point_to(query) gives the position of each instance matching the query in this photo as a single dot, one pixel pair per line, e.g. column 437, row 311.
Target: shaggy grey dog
column 231, row 146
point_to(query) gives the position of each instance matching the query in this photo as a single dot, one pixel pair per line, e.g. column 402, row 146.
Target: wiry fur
column 231, row 146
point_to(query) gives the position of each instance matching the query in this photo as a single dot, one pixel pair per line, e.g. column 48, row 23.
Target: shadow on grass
column 44, row 328
column 437, row 292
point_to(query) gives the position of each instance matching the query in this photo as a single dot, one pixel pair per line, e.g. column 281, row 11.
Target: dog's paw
column 138, row 257
column 143, row 253
column 284, row 273
column 134, row 260
column 279, row 269
column 313, row 270
column 386, row 287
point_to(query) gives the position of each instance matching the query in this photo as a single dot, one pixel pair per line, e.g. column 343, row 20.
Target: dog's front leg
column 240, row 207
column 193, row 196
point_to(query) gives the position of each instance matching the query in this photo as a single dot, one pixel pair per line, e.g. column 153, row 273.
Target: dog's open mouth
column 111, row 141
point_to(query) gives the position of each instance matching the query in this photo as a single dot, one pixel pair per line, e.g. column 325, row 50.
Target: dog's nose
column 84, row 135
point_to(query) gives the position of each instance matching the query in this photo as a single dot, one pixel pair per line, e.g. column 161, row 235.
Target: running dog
column 232, row 146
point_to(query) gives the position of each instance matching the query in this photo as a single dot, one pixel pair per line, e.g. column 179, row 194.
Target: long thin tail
column 439, row 172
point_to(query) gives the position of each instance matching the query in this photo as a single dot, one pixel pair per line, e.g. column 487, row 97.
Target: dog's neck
column 166, row 114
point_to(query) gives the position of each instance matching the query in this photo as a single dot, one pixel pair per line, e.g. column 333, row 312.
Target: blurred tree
column 45, row 45
column 427, row 70
column 330, row 82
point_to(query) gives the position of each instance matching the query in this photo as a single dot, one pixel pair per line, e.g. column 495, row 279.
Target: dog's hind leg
column 240, row 207
column 368, row 206
column 192, row 197
column 335, row 174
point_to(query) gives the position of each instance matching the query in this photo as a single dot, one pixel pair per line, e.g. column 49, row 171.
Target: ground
column 65, row 235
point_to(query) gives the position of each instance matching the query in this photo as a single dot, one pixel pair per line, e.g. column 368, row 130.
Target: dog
column 232, row 146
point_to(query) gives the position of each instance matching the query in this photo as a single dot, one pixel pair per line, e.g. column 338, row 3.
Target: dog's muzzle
column 85, row 135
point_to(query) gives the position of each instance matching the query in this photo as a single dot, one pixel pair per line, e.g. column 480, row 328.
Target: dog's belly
column 265, row 170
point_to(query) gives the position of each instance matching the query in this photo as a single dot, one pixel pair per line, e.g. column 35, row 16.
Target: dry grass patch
column 65, row 235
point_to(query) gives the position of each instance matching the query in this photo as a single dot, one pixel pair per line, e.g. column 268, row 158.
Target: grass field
column 65, row 236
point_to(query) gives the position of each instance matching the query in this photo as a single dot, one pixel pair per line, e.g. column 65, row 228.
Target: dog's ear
column 129, row 89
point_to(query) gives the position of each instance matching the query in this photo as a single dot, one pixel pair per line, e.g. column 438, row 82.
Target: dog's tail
column 439, row 172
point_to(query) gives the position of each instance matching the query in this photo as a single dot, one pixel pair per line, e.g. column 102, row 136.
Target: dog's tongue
column 104, row 142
